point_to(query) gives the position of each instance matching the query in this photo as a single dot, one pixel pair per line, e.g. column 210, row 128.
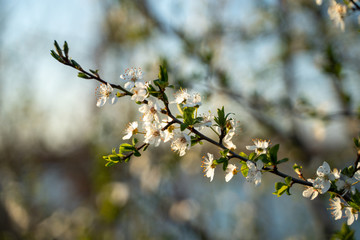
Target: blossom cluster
column 154, row 128
column 342, row 183
column 158, row 125
column 337, row 11
column 254, row 170
column 157, row 130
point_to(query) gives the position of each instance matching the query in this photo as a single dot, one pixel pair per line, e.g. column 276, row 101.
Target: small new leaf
column 58, row 49
column 66, row 50
column 83, row 75
column 252, row 156
column 225, row 164
column 244, row 169
column 57, row 57
column 163, row 76
column 183, row 126
column 297, row 169
column 282, row 160
column 288, row 181
column 220, row 119
column 224, row 153
column 188, row 114
column 134, row 141
column 136, row 153
column 280, row 189
column 95, row 72
column 125, row 147
column 75, row 64
column 244, row 155
column 221, row 160
column 273, row 154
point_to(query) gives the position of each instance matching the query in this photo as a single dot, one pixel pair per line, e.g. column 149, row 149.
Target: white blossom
column 209, row 166
column 228, row 142
column 181, row 143
column 103, row 93
column 260, row 146
column 324, row 171
column 254, row 173
column 151, row 111
column 206, row 121
column 351, row 214
column 310, row 192
column 230, row 172
column 318, row 2
column 348, row 184
column 231, row 125
column 325, row 176
column 188, row 100
column 153, row 134
column 169, row 131
column 181, row 96
column 336, row 207
column 337, row 13
column 132, row 129
column 132, row 76
column 193, row 101
column 139, row 92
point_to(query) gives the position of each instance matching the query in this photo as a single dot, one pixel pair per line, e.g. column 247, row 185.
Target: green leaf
column 153, row 92
column 220, row 119
column 76, row 65
column 57, row 57
column 273, row 154
column 252, row 156
column 244, row 169
column 125, row 147
column 83, row 75
column 225, row 164
column 188, row 114
column 344, row 234
column 282, row 160
column 137, row 153
column 244, row 155
column 110, row 163
column 66, row 49
column 134, row 141
column 195, row 140
column 224, row 153
column 221, row 160
column 280, row 188
column 113, row 151
column 146, row 147
column 95, row 72
column 163, row 75
column 263, row 158
column 58, row 49
column 183, row 126
column 354, row 205
column 288, row 181
column 111, row 160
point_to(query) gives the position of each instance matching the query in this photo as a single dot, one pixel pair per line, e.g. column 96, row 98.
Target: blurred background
column 282, row 67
